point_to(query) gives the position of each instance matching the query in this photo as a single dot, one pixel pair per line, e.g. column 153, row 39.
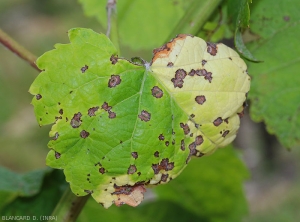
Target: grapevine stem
column 69, row 206
column 195, row 17
column 19, row 50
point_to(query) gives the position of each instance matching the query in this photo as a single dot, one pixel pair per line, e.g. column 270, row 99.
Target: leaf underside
column 119, row 126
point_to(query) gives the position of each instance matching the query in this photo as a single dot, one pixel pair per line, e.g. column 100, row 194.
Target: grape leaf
column 275, row 91
column 121, row 126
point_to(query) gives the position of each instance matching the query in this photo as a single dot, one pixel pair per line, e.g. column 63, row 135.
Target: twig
column 112, row 27
column 19, row 50
column 110, row 9
column 69, row 206
column 195, row 17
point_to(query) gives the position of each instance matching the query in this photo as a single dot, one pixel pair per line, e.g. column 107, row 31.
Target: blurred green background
column 273, row 188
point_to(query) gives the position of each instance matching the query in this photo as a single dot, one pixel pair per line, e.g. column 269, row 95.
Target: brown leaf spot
column 76, row 121
column 155, row 168
column 212, row 48
column 61, row 111
column 198, row 140
column 208, row 77
column 170, row 166
column 185, row 127
column 192, row 134
column 170, row 64
column 226, row 120
column 200, row 99
column 114, row 81
column 84, row 68
column 38, row 96
column 192, row 72
column 204, row 62
column 218, row 121
column 156, row 154
column 192, row 115
column 173, row 142
column 230, row 58
column 177, row 82
column 180, row 74
column 105, row 106
column 145, row 116
column 131, row 169
column 286, row 18
column 114, row 59
column 89, row 191
column 91, row 111
column 167, row 143
column 57, row 155
column 161, row 137
column 182, row 145
column 225, row 133
column 101, row 170
column 111, row 115
column 157, row 92
column 192, row 148
column 164, row 177
column 84, row 134
column 134, row 155
column 55, row 136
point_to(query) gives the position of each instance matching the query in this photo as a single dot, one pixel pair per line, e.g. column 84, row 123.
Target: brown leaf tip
column 166, row 49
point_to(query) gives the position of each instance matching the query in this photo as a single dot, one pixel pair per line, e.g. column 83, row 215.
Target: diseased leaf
column 275, row 94
column 120, row 126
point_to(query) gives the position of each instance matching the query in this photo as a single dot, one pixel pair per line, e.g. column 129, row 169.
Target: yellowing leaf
column 209, row 82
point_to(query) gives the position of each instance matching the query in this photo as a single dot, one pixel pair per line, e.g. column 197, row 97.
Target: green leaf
column 211, row 187
column 44, row 198
column 120, row 126
column 157, row 19
column 240, row 14
column 275, row 93
column 160, row 210
column 24, row 185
